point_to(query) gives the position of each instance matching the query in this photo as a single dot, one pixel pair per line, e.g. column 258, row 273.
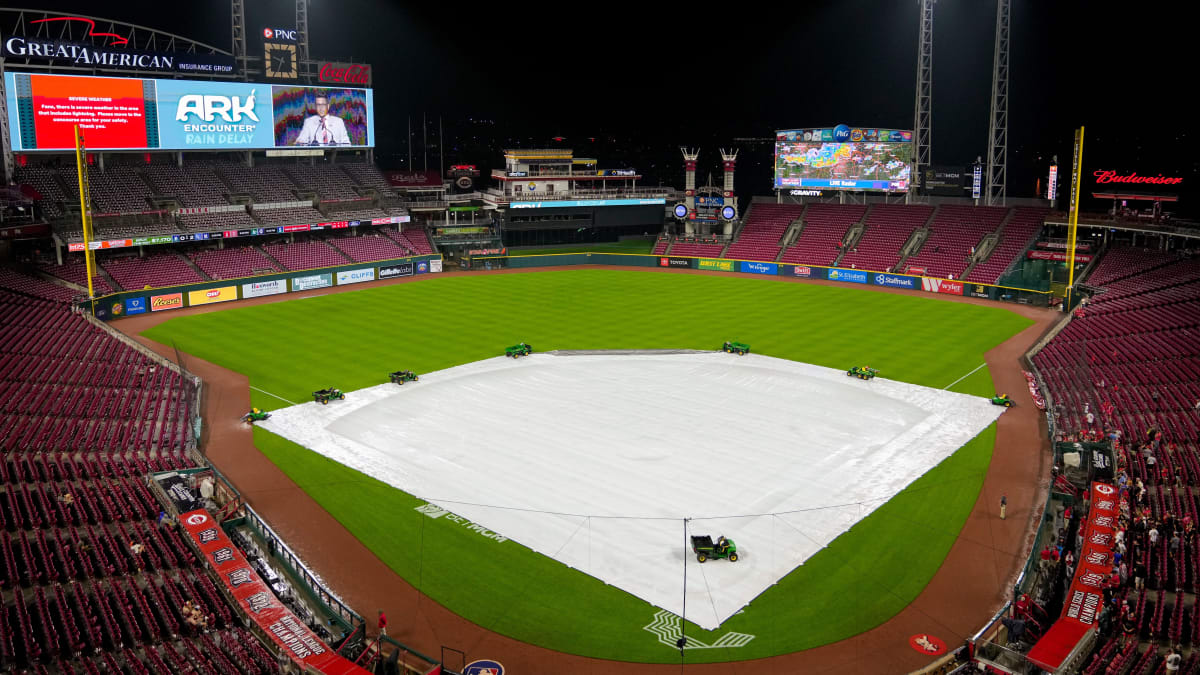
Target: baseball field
column 351, row 340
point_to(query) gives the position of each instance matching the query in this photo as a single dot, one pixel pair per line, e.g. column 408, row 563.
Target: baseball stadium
column 273, row 400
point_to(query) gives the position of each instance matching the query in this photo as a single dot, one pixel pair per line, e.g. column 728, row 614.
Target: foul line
column 274, row 396
column 961, row 378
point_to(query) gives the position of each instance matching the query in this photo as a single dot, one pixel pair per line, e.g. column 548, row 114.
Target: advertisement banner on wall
column 716, row 264
column 256, row 600
column 211, row 295
column 356, row 276
column 422, row 267
column 135, row 306
column 1057, row 256
column 801, row 271
column 259, row 289
column 167, row 301
column 435, row 266
column 848, row 276
column 312, row 281
column 392, row 271
column 894, row 281
column 1084, row 602
column 758, row 267
column 978, row 291
column 942, row 286
column 674, row 262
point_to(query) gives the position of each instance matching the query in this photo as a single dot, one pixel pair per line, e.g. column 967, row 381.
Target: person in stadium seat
column 323, row 128
column 1174, row 658
column 382, row 622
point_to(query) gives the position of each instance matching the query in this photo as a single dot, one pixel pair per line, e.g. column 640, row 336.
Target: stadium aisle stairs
column 270, row 257
column 192, row 264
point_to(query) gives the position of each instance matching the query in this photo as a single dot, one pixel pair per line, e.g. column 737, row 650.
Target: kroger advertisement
column 146, row 114
column 844, row 158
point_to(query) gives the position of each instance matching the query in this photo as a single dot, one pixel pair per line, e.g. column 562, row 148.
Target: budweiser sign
column 1106, row 176
column 345, row 73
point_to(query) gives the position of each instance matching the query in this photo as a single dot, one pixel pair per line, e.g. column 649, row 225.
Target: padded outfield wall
column 129, row 303
column 839, row 274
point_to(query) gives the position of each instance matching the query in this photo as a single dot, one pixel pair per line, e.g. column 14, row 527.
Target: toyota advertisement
column 150, row 114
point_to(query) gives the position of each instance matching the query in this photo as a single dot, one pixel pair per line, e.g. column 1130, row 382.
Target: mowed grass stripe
column 352, row 340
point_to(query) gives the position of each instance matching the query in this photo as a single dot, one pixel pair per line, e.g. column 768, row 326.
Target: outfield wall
column 838, row 274
column 129, row 303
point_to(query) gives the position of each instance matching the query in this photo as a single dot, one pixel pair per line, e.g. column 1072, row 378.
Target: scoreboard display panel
column 119, row 113
column 844, row 158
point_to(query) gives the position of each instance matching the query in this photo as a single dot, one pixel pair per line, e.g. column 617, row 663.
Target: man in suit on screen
column 323, row 128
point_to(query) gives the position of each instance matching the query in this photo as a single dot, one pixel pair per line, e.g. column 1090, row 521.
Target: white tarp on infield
column 594, row 460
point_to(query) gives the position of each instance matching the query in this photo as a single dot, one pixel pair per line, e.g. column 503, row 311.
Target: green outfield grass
column 352, row 340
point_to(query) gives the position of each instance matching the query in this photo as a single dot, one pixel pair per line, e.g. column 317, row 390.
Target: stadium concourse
column 970, row 585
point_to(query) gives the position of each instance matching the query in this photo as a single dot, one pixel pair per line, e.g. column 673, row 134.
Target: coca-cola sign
column 1109, row 176
column 345, row 73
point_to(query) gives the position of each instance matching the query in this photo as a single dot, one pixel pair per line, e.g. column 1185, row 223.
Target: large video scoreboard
column 119, row 113
column 844, row 158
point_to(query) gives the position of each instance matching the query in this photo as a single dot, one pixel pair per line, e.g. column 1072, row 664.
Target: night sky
column 644, row 80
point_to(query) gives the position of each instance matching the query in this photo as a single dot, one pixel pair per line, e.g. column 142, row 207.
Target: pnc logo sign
column 208, row 107
column 279, row 34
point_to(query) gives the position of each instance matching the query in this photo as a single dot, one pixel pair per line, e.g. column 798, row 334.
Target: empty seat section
column 759, row 238
column 825, row 226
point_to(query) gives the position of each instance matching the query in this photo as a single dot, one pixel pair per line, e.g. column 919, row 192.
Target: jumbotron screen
column 844, row 158
column 120, row 113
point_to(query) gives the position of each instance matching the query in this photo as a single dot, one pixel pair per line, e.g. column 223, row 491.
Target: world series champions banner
column 1085, row 599
column 258, row 601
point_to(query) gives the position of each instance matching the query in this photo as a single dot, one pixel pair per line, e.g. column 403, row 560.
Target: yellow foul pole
column 85, row 207
column 1073, row 226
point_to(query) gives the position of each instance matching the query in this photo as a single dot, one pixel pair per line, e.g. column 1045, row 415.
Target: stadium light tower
column 239, row 37
column 997, row 156
column 924, row 97
column 302, row 31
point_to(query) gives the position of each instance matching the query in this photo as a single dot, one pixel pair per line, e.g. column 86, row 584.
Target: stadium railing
column 1031, row 296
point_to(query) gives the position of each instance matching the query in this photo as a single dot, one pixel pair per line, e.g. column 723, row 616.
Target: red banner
column 1085, row 600
column 414, row 178
column 345, row 73
column 1062, row 245
column 258, row 602
column 1057, row 256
